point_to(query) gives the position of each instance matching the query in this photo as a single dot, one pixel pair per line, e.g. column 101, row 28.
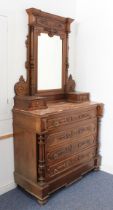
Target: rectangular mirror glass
column 49, row 62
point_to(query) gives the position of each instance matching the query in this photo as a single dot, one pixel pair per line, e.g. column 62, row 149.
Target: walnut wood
column 41, row 22
column 30, row 103
column 56, row 132
column 98, row 156
column 53, row 149
column 77, row 97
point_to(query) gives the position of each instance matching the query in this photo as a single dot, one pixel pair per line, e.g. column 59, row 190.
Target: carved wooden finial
column 70, row 87
column 21, row 87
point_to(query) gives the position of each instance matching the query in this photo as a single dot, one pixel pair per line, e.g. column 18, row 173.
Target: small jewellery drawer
column 73, row 161
column 69, row 149
column 67, row 133
column 61, row 119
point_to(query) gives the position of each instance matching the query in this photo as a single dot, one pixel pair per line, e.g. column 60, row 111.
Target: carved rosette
column 70, row 86
column 21, row 87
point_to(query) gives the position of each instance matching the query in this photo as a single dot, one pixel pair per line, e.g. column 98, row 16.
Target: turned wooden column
column 99, row 116
column 41, row 158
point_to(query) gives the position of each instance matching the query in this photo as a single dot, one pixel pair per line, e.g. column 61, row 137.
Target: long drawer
column 66, row 118
column 67, row 150
column 71, row 132
column 69, row 163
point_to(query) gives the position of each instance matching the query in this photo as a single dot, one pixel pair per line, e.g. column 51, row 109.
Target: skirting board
column 107, row 168
column 6, row 188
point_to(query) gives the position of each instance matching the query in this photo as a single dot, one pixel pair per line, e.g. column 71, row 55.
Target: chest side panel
column 25, row 145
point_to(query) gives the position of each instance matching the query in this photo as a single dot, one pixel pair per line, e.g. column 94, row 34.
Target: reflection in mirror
column 49, row 62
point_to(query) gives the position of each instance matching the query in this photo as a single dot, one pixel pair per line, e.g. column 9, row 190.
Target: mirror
column 49, row 62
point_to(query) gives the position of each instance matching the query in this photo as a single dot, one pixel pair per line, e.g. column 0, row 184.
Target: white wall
column 17, row 21
column 6, row 157
column 94, row 63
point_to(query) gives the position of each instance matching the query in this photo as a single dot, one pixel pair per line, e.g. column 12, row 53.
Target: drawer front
column 72, row 162
column 59, row 120
column 67, row 133
column 69, row 149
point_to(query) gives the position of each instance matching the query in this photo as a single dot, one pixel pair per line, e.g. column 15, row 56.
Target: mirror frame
column 42, row 22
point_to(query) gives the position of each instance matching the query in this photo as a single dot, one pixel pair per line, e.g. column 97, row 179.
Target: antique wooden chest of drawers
column 56, row 128
column 55, row 146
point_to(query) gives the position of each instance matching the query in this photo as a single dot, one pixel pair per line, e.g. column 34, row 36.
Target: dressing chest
column 56, row 130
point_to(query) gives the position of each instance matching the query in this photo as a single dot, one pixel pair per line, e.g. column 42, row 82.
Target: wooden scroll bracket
column 24, row 101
